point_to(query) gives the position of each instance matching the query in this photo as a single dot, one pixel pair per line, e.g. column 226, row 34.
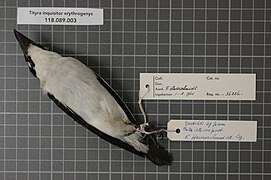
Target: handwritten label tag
column 198, row 86
column 59, row 16
column 205, row 130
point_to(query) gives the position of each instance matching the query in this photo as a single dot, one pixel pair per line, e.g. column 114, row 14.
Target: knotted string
column 142, row 126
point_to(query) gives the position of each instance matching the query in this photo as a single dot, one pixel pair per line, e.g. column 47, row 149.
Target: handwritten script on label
column 199, row 86
column 59, row 16
column 206, row 130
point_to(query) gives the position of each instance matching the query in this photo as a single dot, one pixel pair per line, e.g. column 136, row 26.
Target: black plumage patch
column 31, row 65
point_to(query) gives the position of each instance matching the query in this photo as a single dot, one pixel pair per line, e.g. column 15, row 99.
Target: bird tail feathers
column 150, row 147
column 159, row 155
column 156, row 154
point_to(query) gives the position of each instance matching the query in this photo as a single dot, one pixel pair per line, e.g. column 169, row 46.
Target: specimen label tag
column 198, row 86
column 59, row 16
column 205, row 130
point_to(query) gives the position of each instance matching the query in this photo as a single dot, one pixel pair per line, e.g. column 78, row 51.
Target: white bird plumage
column 90, row 101
column 77, row 87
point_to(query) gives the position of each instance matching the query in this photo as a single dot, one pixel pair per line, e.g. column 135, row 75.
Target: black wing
column 118, row 99
column 102, row 135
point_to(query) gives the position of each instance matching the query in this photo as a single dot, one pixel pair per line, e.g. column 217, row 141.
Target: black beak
column 23, row 41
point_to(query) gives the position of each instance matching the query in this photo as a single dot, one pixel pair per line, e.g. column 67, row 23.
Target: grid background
column 39, row 142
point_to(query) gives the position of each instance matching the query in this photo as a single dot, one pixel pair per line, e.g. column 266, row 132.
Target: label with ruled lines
column 212, row 130
column 59, row 16
column 186, row 86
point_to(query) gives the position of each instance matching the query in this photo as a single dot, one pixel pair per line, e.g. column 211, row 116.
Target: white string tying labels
column 141, row 129
column 147, row 88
